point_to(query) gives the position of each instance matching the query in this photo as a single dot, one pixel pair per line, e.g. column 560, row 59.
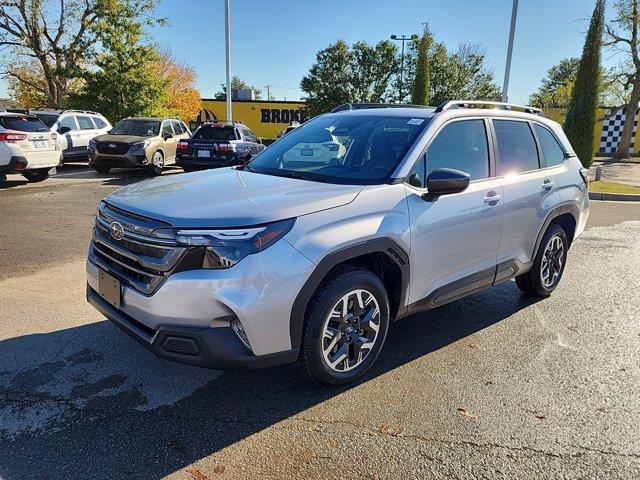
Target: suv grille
column 139, row 259
column 113, row 148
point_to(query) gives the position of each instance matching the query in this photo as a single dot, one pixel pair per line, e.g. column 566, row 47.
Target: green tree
column 420, row 89
column 59, row 36
column 556, row 87
column 580, row 122
column 622, row 37
column 127, row 79
column 341, row 74
column 237, row 82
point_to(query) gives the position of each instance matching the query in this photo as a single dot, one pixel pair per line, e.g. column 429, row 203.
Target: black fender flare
column 384, row 245
column 568, row 207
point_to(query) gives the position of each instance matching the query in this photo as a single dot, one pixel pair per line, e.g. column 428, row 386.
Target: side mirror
column 63, row 130
column 167, row 136
column 109, row 132
column 445, row 181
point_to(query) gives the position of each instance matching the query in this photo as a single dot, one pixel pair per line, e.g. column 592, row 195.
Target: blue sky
column 274, row 42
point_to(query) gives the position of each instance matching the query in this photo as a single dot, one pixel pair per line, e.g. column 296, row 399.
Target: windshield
column 141, row 128
column 47, row 118
column 23, row 124
column 341, row 148
column 210, row 132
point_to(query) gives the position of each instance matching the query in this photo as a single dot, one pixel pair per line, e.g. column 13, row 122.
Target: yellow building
column 266, row 118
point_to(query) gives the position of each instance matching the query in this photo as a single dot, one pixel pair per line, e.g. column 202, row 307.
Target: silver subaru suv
column 309, row 260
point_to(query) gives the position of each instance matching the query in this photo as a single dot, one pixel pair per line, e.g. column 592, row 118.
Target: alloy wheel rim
column 158, row 161
column 552, row 261
column 350, row 330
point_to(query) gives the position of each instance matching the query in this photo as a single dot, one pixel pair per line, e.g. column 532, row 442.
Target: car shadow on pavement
column 88, row 402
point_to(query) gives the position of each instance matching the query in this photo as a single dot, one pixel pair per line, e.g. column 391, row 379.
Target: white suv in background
column 27, row 147
column 75, row 128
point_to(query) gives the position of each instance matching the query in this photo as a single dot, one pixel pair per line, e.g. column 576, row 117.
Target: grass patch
column 602, row 186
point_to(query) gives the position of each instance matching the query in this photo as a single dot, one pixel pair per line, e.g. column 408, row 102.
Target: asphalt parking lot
column 492, row 386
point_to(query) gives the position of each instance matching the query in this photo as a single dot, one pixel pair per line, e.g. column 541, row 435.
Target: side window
column 166, row 128
column 461, row 145
column 85, row 123
column 253, row 136
column 99, row 122
column 177, row 127
column 69, row 122
column 551, row 150
column 517, row 150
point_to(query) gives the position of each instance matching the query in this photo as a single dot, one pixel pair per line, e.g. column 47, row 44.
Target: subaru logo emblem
column 116, row 230
column 112, row 145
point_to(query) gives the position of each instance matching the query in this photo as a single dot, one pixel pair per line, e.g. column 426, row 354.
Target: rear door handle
column 548, row 184
column 492, row 198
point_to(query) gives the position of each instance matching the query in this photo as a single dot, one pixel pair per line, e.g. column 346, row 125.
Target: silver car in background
column 275, row 262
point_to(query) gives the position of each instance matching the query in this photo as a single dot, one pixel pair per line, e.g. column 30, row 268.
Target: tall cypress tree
column 421, row 90
column 581, row 114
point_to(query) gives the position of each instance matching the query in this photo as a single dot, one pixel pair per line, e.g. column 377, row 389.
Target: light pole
column 402, row 38
column 227, row 46
column 507, row 69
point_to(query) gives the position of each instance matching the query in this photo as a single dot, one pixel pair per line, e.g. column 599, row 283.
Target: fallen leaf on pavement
column 197, row 474
column 464, row 412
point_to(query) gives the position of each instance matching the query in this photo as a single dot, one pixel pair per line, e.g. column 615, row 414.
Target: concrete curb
column 618, row 197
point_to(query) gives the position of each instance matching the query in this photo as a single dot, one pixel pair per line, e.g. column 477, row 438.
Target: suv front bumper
column 134, row 158
column 201, row 346
column 192, row 309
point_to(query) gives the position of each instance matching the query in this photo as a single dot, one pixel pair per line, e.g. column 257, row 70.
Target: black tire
column 311, row 360
column 101, row 168
column 36, row 175
column 531, row 283
column 156, row 168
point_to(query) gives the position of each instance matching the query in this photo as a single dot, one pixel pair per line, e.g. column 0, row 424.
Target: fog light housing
column 239, row 331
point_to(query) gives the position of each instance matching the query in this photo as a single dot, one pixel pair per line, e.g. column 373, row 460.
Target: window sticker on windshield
column 415, row 121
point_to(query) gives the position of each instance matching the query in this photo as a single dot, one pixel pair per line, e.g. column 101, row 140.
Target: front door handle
column 547, row 184
column 492, row 198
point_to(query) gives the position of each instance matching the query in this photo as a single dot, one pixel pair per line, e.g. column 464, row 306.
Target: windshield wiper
column 297, row 175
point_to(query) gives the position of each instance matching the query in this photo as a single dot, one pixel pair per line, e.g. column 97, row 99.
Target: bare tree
column 622, row 35
column 57, row 37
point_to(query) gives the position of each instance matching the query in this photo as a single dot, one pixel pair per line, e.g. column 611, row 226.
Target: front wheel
column 345, row 327
column 548, row 265
column 157, row 163
column 36, row 175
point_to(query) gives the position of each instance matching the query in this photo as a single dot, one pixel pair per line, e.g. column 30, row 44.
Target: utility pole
column 402, row 38
column 268, row 91
column 227, row 46
column 507, row 69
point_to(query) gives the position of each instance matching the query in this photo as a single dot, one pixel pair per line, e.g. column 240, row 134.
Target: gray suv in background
column 309, row 262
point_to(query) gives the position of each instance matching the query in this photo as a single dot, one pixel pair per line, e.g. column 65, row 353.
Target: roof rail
column 453, row 104
column 360, row 106
column 14, row 110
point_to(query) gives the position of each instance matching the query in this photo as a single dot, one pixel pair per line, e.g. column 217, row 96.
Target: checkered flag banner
column 612, row 126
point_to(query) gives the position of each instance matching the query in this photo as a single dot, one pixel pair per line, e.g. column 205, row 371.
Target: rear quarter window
column 23, row 124
column 551, row 151
column 99, row 122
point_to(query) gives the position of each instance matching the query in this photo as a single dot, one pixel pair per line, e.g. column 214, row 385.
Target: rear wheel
column 548, row 266
column 101, row 168
column 345, row 327
column 36, row 175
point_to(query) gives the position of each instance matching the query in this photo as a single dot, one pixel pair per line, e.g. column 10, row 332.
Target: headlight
column 142, row 145
column 226, row 247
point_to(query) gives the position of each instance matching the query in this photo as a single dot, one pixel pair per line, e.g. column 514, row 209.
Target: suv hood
column 130, row 139
column 228, row 197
